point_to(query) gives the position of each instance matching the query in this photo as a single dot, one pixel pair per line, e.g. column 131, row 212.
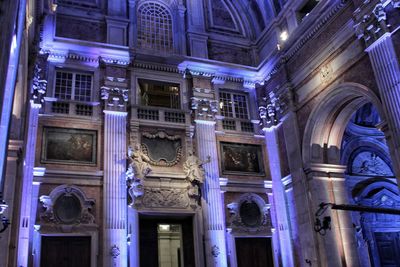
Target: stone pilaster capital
column 204, row 108
column 371, row 20
column 272, row 109
column 114, row 97
column 39, row 87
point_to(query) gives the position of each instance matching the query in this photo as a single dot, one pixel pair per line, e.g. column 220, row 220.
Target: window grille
column 154, row 27
column 73, row 86
column 233, row 105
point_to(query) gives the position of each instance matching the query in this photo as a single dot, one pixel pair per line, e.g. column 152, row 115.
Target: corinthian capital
column 39, row 86
column 371, row 19
column 205, row 109
column 271, row 110
column 114, row 97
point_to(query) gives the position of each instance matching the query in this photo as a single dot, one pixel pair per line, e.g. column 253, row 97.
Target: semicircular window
column 250, row 214
column 67, row 209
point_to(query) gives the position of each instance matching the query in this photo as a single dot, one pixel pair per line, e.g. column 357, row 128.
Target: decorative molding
column 205, row 109
column 56, row 56
column 165, row 198
column 163, row 162
column 85, row 215
column 156, row 67
column 325, row 73
column 115, row 251
column 114, row 96
column 215, row 251
column 237, row 223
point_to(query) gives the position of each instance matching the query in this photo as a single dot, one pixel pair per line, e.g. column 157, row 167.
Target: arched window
column 154, row 27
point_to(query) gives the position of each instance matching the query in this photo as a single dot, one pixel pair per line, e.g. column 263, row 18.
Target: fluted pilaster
column 387, row 73
column 213, row 209
column 115, row 202
column 283, row 232
column 27, row 180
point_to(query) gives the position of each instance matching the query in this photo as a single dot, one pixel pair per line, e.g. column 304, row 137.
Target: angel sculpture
column 193, row 168
column 138, row 163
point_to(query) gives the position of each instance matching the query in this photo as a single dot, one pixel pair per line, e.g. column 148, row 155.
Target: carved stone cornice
column 204, row 108
column 371, row 20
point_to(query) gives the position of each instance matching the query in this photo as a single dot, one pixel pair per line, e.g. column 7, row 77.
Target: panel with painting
column 69, row 146
column 242, row 159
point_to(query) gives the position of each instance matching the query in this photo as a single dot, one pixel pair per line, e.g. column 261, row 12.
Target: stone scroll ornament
column 138, row 168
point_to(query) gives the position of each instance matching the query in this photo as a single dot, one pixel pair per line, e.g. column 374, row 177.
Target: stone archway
column 327, row 122
column 326, row 176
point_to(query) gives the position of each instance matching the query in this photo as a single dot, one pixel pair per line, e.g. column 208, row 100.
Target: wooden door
column 71, row 251
column 254, row 252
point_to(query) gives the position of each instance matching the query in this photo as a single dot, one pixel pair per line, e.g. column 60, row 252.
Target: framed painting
column 69, row 146
column 241, row 159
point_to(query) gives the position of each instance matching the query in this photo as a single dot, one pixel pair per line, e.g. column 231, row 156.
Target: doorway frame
column 197, row 223
column 39, row 232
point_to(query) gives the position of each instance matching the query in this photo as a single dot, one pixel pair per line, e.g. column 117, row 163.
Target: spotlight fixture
column 284, row 36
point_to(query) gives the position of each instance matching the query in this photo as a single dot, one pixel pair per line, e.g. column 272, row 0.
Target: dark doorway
column 254, row 252
column 388, row 244
column 149, row 227
column 69, row 251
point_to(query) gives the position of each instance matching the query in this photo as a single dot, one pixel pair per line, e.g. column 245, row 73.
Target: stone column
column 285, row 240
column 115, row 251
column 214, row 225
column 39, row 89
column 371, row 25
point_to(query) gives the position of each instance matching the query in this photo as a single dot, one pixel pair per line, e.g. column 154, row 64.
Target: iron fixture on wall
column 324, row 224
column 321, row 226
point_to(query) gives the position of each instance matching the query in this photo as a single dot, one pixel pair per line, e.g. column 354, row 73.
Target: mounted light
column 284, row 36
